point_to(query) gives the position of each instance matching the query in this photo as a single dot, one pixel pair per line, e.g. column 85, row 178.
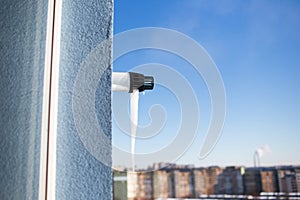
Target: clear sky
column 256, row 46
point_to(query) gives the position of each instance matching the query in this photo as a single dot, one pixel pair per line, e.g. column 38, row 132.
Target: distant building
column 298, row 180
column 280, row 174
column 269, row 180
column 252, row 181
column 132, row 185
column 201, row 181
column 287, row 179
column 163, row 165
column 120, row 185
column 182, row 166
column 289, row 183
column 184, row 181
column 230, row 181
column 145, row 191
column 184, row 187
column 212, row 173
column 140, row 185
column 163, row 184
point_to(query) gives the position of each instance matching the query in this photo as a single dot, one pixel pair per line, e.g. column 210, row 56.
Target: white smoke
column 263, row 150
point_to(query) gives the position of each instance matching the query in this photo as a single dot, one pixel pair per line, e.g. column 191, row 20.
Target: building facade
column 230, row 181
column 252, row 181
column 163, row 184
column 120, row 185
column 269, row 180
column 140, row 185
column 184, row 187
column 298, row 179
column 213, row 173
column 201, row 182
column 287, row 180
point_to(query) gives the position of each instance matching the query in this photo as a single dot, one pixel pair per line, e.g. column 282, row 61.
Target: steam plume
column 260, row 152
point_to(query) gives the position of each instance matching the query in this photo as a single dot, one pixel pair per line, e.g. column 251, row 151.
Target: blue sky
column 256, row 46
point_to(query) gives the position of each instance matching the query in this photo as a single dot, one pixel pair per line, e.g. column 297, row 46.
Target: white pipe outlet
column 130, row 81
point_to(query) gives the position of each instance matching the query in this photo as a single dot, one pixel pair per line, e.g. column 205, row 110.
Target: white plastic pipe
column 120, row 82
column 130, row 81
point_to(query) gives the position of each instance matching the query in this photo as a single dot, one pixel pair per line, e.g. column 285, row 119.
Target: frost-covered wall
column 22, row 54
column 85, row 24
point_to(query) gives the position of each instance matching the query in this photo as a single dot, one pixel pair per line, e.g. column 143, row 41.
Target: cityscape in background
column 255, row 45
column 164, row 180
